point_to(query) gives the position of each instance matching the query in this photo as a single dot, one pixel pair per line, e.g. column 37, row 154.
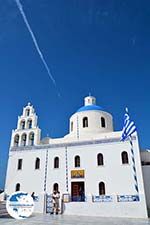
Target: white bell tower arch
column 27, row 132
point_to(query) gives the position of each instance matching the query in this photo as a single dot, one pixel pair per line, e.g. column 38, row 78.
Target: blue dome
column 89, row 107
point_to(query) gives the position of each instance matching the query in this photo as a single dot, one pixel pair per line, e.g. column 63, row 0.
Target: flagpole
column 133, row 165
column 128, row 129
column 45, row 180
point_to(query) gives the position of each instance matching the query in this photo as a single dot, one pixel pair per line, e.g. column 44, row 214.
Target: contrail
column 20, row 7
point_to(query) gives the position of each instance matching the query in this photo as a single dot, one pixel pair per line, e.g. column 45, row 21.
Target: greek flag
column 128, row 128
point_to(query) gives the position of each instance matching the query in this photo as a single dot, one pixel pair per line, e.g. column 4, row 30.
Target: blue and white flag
column 128, row 128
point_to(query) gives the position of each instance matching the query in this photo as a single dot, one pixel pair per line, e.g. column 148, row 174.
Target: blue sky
column 96, row 46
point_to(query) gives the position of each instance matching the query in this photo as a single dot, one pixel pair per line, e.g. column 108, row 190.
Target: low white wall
column 107, row 209
column 39, row 206
column 146, row 177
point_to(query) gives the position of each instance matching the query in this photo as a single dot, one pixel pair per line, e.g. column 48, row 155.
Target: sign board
column 66, row 198
column 128, row 198
column 77, row 173
column 20, row 205
column 102, row 198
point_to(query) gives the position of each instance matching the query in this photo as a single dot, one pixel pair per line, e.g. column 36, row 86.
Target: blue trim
column 89, row 107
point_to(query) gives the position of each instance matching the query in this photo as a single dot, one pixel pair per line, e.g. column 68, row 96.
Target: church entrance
column 77, row 192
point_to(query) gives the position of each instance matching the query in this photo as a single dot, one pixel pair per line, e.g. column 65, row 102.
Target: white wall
column 145, row 159
column 106, row 209
column 94, row 123
column 146, row 175
column 30, row 180
column 118, row 178
column 56, row 175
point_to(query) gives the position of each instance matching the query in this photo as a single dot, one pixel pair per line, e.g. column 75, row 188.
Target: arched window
column 17, row 187
column 55, row 187
column 27, row 112
column 101, row 188
column 31, row 139
column 56, row 162
column 85, row 122
column 23, row 140
column 103, row 122
column 71, row 126
column 37, row 163
column 77, row 161
column 22, row 125
column 16, row 140
column 29, row 124
column 124, row 157
column 100, row 160
column 93, row 101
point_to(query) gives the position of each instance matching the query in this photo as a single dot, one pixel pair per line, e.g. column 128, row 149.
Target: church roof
column 89, row 107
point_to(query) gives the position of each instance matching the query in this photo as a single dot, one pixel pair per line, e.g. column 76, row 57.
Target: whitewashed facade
column 89, row 164
column 145, row 160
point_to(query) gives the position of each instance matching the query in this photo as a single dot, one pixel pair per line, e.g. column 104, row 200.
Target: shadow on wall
column 148, row 210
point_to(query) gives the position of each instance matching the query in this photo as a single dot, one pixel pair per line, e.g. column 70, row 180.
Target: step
column 3, row 210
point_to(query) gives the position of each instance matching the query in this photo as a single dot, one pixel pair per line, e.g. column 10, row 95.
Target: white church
column 94, row 171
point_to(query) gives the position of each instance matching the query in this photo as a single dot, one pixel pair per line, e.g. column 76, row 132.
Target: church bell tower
column 27, row 132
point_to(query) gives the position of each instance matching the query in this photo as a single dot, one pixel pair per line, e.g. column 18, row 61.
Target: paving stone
column 38, row 219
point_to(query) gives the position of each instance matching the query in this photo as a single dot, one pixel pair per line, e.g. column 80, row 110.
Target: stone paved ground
column 72, row 220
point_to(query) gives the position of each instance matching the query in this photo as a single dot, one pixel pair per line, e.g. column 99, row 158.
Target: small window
column 101, row 188
column 100, row 160
column 27, row 112
column 145, row 163
column 23, row 140
column 37, row 163
column 56, row 162
column 16, row 140
column 55, row 187
column 85, row 122
column 29, row 124
column 103, row 122
column 17, row 187
column 22, row 125
column 77, row 161
column 124, row 156
column 19, row 164
column 71, row 126
column 31, row 139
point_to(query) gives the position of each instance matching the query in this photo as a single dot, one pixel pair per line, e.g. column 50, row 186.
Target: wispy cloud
column 20, row 7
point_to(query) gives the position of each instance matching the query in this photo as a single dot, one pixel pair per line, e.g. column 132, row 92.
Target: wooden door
column 76, row 188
